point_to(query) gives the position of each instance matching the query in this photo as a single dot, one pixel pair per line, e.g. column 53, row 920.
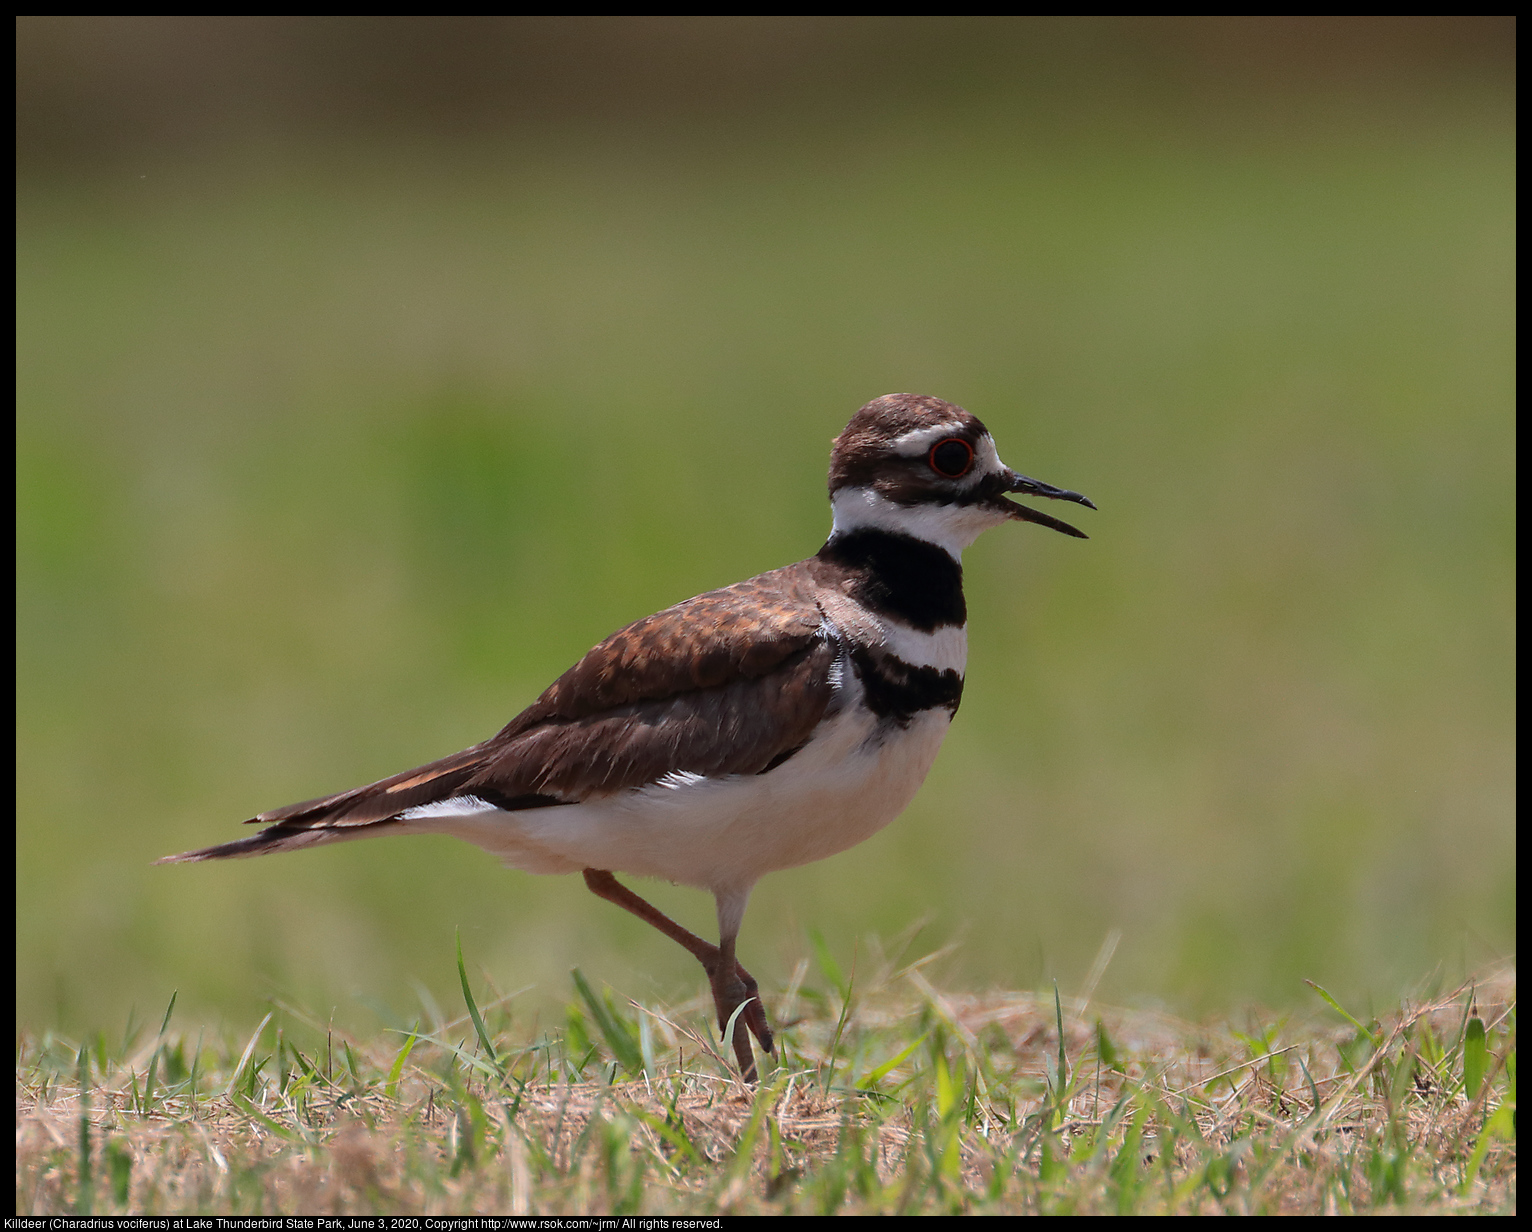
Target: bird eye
column 951, row 458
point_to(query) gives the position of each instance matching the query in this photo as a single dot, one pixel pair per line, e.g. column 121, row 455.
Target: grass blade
column 397, row 1071
column 1475, row 1057
column 1340, row 1009
column 1501, row 1125
column 728, row 1030
column 169, row 1010
column 840, row 1026
column 1062, row 1094
column 82, row 1203
column 245, row 1056
column 473, row 1010
column 877, row 1075
column 618, row 1038
column 827, row 963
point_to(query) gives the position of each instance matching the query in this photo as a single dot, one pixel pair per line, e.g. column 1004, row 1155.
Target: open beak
column 1032, row 487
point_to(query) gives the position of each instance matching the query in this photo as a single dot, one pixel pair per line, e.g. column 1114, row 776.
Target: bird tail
column 362, row 812
column 283, row 838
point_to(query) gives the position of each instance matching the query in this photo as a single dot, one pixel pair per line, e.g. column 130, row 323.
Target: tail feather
column 363, row 806
column 359, row 813
column 281, row 838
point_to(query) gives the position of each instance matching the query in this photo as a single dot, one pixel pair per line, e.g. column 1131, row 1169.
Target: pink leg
column 732, row 985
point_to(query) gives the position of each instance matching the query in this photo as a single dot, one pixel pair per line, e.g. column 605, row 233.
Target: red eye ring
column 955, row 460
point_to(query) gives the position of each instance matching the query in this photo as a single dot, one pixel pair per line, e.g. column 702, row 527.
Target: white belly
column 726, row 833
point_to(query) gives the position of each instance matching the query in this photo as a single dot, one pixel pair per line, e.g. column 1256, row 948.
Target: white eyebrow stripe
column 914, row 444
column 987, row 458
column 917, row 443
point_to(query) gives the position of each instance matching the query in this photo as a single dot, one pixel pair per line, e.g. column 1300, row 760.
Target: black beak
column 1032, row 487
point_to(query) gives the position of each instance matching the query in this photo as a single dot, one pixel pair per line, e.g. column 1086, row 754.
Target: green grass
column 329, row 460
column 887, row 1096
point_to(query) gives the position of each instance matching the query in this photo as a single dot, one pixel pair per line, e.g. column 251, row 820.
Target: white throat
column 950, row 527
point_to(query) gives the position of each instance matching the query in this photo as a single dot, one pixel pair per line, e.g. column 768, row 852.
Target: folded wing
column 730, row 682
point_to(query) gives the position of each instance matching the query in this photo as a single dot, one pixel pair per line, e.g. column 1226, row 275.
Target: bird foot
column 734, row 987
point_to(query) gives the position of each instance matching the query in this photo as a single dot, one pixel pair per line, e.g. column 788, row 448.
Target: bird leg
column 731, row 984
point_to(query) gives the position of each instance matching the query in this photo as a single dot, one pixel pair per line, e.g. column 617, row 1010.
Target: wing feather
column 730, row 682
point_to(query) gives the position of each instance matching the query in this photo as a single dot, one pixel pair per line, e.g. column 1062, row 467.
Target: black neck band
column 897, row 575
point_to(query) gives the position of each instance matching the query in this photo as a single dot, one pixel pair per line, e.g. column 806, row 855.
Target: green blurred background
column 371, row 369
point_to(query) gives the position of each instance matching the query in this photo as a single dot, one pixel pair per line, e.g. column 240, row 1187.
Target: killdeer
column 754, row 728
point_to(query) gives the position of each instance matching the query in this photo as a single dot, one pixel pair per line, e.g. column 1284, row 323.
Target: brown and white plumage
column 753, row 728
column 727, row 683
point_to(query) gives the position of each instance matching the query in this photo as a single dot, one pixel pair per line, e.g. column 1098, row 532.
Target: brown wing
column 730, row 682
column 738, row 633
column 744, row 726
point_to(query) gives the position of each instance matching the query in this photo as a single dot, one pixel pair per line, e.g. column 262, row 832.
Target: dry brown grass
column 1154, row 1114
